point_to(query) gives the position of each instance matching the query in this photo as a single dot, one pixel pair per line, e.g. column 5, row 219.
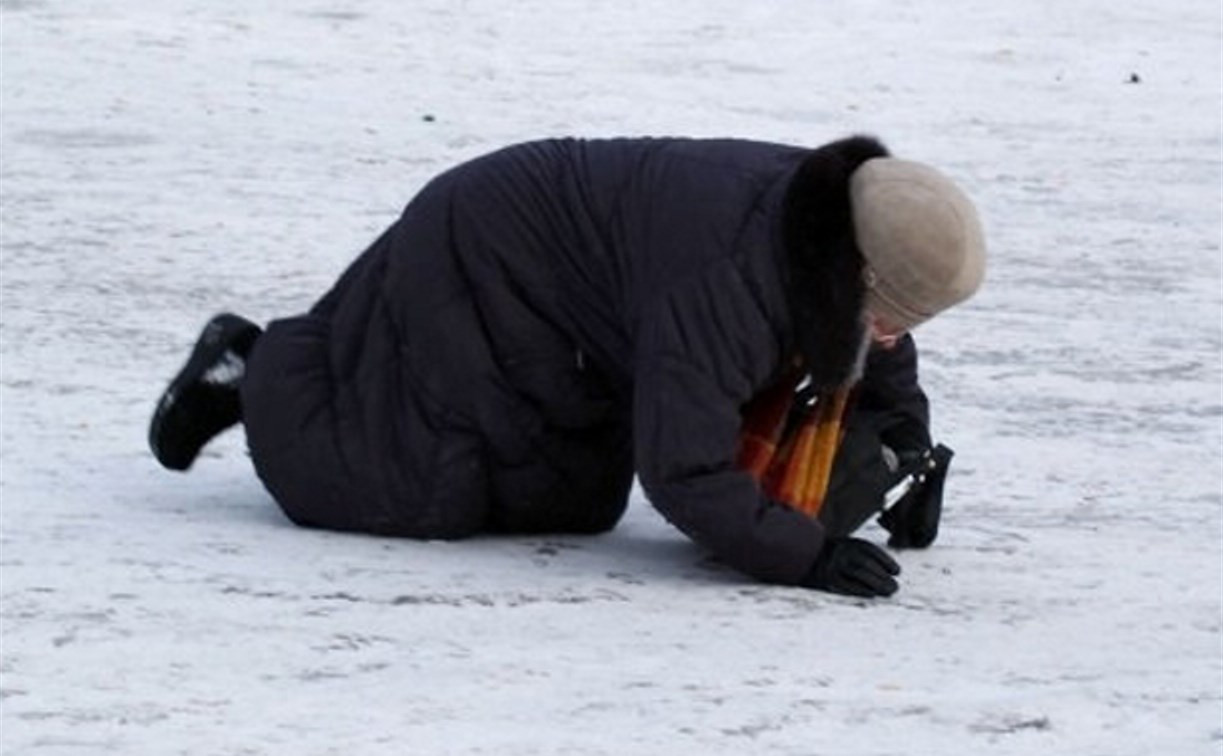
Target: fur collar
column 825, row 285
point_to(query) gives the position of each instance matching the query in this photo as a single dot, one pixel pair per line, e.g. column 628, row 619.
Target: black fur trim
column 826, row 289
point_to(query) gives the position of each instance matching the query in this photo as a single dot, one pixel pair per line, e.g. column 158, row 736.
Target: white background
column 162, row 161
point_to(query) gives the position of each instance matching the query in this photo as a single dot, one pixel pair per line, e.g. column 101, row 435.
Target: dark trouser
column 591, row 472
column 578, row 484
column 290, row 430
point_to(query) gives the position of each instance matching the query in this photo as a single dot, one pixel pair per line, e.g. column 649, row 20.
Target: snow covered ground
column 164, row 159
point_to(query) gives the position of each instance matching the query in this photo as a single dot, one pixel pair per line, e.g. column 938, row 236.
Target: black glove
column 913, row 519
column 853, row 567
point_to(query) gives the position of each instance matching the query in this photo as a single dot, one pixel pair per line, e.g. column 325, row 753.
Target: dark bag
column 913, row 519
column 862, row 478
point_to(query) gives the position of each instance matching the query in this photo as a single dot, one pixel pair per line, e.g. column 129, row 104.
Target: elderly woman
column 545, row 321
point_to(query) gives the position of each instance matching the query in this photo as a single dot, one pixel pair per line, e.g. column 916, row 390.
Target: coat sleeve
column 890, row 390
column 704, row 348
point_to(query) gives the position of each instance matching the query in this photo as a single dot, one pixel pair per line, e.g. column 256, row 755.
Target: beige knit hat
column 921, row 239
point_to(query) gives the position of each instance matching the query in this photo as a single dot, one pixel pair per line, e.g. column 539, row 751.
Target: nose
column 886, row 341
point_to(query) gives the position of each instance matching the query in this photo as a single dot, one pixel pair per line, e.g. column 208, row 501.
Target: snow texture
column 162, row 161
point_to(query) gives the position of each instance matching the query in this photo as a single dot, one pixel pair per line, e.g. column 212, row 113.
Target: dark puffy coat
column 543, row 321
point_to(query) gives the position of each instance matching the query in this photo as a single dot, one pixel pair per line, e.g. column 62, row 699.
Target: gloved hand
column 913, row 520
column 853, row 567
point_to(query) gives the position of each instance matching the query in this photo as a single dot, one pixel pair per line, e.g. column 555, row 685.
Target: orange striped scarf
column 792, row 460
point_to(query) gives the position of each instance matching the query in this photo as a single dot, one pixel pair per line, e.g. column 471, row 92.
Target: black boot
column 203, row 400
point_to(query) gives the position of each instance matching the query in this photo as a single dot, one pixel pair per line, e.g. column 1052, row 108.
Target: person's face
column 884, row 335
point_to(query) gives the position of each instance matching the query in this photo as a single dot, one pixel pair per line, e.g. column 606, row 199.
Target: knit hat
column 920, row 237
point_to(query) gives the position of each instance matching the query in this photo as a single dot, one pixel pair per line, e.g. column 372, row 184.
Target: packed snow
column 164, row 160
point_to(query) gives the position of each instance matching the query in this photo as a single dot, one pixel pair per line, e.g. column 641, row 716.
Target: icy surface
column 165, row 160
